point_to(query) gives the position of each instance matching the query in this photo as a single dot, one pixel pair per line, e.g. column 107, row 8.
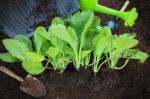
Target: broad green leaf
column 104, row 32
column 84, row 34
column 79, row 20
column 68, row 51
column 57, row 20
column 52, row 52
column 61, row 32
column 86, row 26
column 115, row 53
column 91, row 33
column 16, row 48
column 124, row 43
column 33, row 67
column 58, row 43
column 25, row 40
column 38, row 39
column 87, row 45
column 135, row 54
column 33, row 63
column 72, row 34
column 96, row 22
column 45, row 47
column 44, row 33
column 103, row 43
column 75, row 22
column 7, row 57
column 35, row 56
column 89, row 16
column 128, row 35
column 85, row 53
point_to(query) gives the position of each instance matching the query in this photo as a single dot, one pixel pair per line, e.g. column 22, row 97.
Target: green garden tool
column 129, row 17
column 114, row 22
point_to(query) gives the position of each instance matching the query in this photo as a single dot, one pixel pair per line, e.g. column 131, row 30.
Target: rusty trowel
column 29, row 85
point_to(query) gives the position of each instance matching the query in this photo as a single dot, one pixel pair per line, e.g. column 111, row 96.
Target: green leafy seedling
column 73, row 40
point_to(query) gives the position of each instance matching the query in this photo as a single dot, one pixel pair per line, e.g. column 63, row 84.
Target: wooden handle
column 123, row 8
column 125, row 5
column 10, row 73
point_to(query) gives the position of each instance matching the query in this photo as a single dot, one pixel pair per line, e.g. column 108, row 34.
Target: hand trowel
column 29, row 85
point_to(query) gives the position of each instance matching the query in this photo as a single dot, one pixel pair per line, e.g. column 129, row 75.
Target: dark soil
column 133, row 82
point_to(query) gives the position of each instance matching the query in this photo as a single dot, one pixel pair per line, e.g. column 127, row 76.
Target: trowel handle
column 10, row 73
column 125, row 5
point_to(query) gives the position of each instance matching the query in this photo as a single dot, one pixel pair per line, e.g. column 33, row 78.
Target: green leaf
column 16, row 48
column 57, row 20
column 38, row 39
column 104, row 32
column 25, row 40
column 33, row 63
column 102, row 45
column 33, row 67
column 45, row 47
column 96, row 22
column 7, row 57
column 52, row 52
column 128, row 35
column 44, row 33
column 85, row 53
column 124, row 43
column 79, row 20
column 135, row 54
column 89, row 16
column 72, row 34
column 68, row 51
column 102, row 41
column 61, row 33
column 91, row 33
column 75, row 22
column 58, row 43
column 35, row 56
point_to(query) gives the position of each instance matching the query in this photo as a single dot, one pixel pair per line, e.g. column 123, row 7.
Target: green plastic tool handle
column 106, row 10
column 129, row 17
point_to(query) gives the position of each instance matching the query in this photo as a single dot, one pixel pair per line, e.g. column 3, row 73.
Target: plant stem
column 126, row 62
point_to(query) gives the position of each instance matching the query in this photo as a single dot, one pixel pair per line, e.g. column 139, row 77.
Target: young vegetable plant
column 123, row 47
column 20, row 49
column 75, row 34
column 110, row 48
column 73, row 31
column 101, row 43
column 72, row 40
column 55, row 50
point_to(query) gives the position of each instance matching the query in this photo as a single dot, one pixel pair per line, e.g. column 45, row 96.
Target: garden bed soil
column 133, row 82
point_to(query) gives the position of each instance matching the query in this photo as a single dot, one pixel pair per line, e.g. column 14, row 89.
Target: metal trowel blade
column 33, row 86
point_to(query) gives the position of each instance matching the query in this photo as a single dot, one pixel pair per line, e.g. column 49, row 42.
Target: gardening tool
column 129, row 17
column 29, row 85
column 22, row 16
column 113, row 23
